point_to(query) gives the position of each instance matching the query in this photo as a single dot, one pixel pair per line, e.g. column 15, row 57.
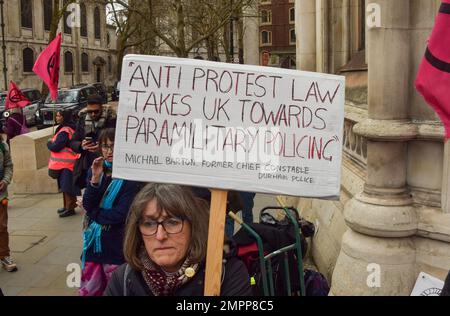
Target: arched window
column 83, row 26
column 292, row 15
column 28, row 59
column 266, row 16
column 26, row 13
column 266, row 37
column 97, row 23
column 48, row 14
column 292, row 37
column 68, row 62
column 109, row 64
column 84, row 62
column 67, row 28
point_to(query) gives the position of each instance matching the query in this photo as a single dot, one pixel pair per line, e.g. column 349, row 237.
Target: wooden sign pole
column 216, row 235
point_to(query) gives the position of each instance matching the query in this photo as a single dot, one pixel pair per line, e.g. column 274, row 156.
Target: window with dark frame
column 266, row 37
column 97, row 30
column 83, row 20
column 28, row 59
column 292, row 15
column 266, row 16
column 68, row 62
column 26, row 13
column 84, row 62
column 48, row 14
column 292, row 36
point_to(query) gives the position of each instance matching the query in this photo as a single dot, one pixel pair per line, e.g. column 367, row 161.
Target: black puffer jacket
column 235, row 282
column 446, row 289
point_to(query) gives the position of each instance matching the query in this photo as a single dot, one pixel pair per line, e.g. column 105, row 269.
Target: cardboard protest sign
column 229, row 126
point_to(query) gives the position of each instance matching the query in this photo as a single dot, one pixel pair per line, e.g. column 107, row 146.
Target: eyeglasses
column 107, row 147
column 171, row 226
column 93, row 112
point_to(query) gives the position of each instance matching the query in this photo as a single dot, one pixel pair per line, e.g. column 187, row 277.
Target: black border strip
column 445, row 8
column 436, row 62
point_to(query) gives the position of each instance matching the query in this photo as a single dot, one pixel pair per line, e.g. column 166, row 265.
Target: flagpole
column 5, row 68
column 54, row 116
column 54, row 110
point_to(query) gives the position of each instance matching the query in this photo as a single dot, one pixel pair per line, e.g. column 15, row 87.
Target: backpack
column 316, row 284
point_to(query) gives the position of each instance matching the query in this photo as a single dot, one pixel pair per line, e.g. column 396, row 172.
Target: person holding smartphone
column 106, row 201
column 92, row 120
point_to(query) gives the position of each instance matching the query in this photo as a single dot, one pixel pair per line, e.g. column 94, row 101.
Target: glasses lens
column 173, row 225
column 149, row 227
column 93, row 112
column 170, row 225
column 108, row 147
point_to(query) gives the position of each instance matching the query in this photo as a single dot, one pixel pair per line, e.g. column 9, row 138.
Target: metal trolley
column 265, row 261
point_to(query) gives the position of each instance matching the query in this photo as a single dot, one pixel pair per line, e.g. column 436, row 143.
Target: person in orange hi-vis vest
column 62, row 161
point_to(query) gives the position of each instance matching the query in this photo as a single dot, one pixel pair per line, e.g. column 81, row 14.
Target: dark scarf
column 160, row 282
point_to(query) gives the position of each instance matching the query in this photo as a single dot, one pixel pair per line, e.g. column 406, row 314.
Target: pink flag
column 47, row 65
column 433, row 79
column 15, row 98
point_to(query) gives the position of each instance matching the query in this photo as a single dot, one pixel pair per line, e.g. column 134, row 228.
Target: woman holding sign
column 106, row 201
column 165, row 248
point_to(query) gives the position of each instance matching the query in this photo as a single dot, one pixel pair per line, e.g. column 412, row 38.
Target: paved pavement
column 44, row 244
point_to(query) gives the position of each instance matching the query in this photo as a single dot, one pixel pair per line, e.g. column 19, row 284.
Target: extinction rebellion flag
column 47, row 66
column 15, row 98
column 433, row 78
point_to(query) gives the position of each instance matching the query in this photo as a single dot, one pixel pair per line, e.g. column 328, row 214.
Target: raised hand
column 97, row 170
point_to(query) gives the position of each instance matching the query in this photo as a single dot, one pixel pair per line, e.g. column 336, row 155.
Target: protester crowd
column 162, row 245
column 138, row 239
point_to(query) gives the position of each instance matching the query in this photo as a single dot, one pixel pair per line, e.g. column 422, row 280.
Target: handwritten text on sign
column 229, row 126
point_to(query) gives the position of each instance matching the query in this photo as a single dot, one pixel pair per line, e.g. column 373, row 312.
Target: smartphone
column 88, row 139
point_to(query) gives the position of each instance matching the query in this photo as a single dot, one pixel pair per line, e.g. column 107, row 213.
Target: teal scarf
column 92, row 236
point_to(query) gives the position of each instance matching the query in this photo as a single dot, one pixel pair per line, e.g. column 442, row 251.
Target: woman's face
column 59, row 118
column 108, row 150
column 166, row 250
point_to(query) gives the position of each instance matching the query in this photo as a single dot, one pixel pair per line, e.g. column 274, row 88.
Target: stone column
column 377, row 255
column 306, row 34
column 322, row 36
column 251, row 32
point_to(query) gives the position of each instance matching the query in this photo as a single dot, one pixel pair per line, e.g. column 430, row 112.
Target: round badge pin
column 189, row 272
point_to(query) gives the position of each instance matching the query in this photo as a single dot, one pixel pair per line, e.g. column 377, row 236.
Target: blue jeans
column 247, row 213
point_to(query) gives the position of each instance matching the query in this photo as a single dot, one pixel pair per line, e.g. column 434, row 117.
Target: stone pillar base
column 370, row 266
column 387, row 218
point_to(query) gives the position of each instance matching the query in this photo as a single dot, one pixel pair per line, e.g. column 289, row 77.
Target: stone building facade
column 272, row 23
column 393, row 217
column 88, row 53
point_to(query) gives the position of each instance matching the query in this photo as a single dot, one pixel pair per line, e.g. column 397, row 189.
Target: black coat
column 85, row 162
column 236, row 282
column 112, row 220
column 446, row 289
